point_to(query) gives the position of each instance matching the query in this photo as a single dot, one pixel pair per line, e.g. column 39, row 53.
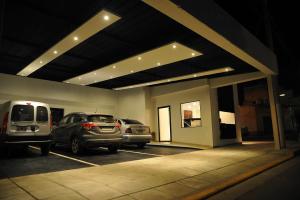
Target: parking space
column 22, row 163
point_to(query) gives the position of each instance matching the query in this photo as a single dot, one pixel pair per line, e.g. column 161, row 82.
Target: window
column 101, row 118
column 131, row 121
column 65, row 120
column 76, row 119
column 57, row 115
column 190, row 114
column 22, row 113
column 41, row 114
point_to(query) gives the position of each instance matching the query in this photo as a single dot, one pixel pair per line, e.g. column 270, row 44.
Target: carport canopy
column 124, row 44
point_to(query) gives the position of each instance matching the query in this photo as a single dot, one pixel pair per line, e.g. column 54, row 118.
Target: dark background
column 275, row 24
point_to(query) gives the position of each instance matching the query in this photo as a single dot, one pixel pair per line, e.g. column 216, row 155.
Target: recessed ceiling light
column 106, row 17
column 226, row 69
column 158, row 64
column 114, row 67
column 75, row 38
column 169, row 80
column 67, row 82
column 193, row 54
column 195, row 75
column 131, row 71
column 95, row 73
column 282, row 95
column 111, row 76
column 55, row 52
column 95, row 81
column 174, row 46
column 139, row 58
column 79, row 78
column 41, row 62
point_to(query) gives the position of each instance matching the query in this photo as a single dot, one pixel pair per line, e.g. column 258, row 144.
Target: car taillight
column 128, row 130
column 5, row 123
column 88, row 125
column 118, row 125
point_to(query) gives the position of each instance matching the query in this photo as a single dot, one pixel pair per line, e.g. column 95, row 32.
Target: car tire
column 113, row 148
column 141, row 145
column 76, row 148
column 45, row 149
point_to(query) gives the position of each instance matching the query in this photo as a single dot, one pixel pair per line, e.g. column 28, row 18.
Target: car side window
column 76, row 119
column 64, row 120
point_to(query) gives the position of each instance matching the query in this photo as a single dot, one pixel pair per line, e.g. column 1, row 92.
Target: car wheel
column 113, row 149
column 141, row 145
column 45, row 148
column 75, row 146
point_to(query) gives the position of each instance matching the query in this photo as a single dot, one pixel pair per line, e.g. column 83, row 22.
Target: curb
column 222, row 185
column 183, row 147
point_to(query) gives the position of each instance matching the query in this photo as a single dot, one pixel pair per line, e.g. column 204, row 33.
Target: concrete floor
column 161, row 177
column 22, row 163
column 281, row 182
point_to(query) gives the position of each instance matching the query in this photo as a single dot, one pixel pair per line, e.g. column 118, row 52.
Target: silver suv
column 24, row 123
column 82, row 130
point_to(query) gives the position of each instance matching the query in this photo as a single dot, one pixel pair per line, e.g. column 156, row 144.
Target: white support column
column 215, row 122
column 237, row 114
column 278, row 132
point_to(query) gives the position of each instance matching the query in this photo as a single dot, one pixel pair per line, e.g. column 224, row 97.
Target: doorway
column 164, row 124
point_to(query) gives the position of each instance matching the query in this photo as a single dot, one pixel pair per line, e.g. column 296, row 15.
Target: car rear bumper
column 137, row 138
column 10, row 140
column 101, row 142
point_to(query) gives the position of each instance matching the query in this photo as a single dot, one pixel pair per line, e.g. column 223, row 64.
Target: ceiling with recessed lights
column 127, row 44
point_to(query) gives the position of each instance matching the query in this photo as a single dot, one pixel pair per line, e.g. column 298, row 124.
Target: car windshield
column 131, row 121
column 22, row 113
column 100, row 118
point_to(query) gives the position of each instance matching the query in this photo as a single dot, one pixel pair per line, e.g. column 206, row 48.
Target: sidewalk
column 168, row 177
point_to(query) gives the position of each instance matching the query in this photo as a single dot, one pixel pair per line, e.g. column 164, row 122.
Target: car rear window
column 41, row 114
column 100, row 118
column 131, row 121
column 22, row 113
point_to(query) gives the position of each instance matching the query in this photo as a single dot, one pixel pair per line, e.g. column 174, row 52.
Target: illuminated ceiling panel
column 160, row 56
column 179, row 78
column 97, row 23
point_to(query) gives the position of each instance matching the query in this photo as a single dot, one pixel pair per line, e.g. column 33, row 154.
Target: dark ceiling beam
column 46, row 12
column 9, row 56
column 152, row 75
column 29, row 44
column 119, row 39
column 23, row 42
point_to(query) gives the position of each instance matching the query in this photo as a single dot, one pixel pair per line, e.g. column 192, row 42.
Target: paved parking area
column 30, row 162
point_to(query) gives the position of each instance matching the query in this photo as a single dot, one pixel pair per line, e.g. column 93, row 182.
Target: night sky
column 283, row 20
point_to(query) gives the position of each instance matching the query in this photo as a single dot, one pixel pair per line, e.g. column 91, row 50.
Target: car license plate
column 21, row 128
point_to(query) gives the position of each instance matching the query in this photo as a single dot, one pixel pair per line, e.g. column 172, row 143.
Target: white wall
column 132, row 104
column 138, row 103
column 60, row 95
column 175, row 94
